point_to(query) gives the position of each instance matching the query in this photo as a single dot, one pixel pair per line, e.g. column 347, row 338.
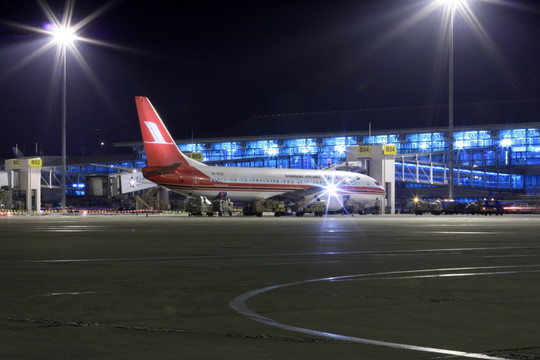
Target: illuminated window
column 272, row 150
column 533, row 133
column 470, row 135
column 506, row 142
column 393, row 139
column 437, row 136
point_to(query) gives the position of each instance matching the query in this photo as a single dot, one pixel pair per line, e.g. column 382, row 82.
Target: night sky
column 207, row 66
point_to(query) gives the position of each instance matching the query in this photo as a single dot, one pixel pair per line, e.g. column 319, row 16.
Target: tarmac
column 338, row 287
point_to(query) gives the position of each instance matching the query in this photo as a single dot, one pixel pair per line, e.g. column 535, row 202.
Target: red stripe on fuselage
column 271, row 188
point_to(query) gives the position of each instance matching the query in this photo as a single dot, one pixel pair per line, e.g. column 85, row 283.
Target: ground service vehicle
column 452, row 207
column 422, row 207
column 485, row 207
column 491, row 207
column 316, row 207
column 222, row 206
column 266, row 205
column 519, row 208
column 198, row 206
column 472, row 208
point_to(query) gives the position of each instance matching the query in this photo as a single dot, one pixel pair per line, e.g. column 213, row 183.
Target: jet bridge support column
column 29, row 179
column 381, row 167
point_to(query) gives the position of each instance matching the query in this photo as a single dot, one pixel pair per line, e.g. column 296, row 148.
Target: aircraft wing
column 299, row 195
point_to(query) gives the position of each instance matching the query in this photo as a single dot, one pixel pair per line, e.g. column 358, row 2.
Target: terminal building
column 496, row 152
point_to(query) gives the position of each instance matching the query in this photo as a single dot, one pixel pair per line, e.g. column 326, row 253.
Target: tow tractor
column 266, row 205
column 316, row 207
column 200, row 205
column 422, row 207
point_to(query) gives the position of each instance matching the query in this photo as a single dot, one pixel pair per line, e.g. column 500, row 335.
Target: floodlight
column 63, row 35
column 451, row 3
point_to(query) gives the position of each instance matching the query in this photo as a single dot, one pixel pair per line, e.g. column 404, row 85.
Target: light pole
column 450, row 7
column 451, row 102
column 64, row 37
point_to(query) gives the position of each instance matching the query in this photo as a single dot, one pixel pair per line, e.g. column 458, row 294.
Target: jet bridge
column 421, row 168
column 379, row 160
column 28, row 176
column 25, row 175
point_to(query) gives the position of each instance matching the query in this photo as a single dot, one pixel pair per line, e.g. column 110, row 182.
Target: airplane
column 169, row 167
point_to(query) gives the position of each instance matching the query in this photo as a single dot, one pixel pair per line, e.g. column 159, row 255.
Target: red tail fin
column 158, row 143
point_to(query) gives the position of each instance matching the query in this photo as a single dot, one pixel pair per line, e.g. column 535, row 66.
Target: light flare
column 451, row 8
column 422, row 10
column 453, row 4
column 333, row 191
column 63, row 35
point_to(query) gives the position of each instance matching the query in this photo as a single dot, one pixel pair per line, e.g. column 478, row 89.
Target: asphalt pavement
column 338, row 287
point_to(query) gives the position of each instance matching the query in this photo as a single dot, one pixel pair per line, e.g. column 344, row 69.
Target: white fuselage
column 250, row 184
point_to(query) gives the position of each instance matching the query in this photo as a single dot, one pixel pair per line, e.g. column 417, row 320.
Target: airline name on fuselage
column 303, row 176
column 293, row 176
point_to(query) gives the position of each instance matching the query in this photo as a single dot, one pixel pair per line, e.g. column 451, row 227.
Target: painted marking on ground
column 239, row 304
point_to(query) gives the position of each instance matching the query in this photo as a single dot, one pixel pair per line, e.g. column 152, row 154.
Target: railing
column 410, row 169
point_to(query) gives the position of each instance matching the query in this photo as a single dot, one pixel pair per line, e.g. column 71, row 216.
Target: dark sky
column 209, row 65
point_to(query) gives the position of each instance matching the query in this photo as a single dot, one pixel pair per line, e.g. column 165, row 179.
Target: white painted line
column 71, row 293
column 239, row 305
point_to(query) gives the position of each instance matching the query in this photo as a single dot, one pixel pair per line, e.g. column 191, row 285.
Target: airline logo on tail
column 159, row 145
column 156, row 134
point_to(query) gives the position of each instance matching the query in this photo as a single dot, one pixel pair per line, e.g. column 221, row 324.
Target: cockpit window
column 377, row 183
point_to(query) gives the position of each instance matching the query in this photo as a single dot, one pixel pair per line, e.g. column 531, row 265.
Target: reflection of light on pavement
column 459, row 232
column 239, row 303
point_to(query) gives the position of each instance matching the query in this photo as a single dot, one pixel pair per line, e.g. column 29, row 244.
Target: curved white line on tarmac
column 239, row 305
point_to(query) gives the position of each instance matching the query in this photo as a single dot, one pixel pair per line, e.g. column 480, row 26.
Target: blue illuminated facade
column 501, row 159
column 297, row 153
column 490, row 148
column 486, row 148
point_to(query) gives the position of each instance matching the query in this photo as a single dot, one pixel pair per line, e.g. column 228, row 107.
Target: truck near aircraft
column 200, row 205
column 426, row 207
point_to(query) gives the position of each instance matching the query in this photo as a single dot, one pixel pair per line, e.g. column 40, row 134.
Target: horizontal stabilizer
column 169, row 169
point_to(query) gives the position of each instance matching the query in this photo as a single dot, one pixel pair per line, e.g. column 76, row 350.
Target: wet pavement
column 175, row 287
